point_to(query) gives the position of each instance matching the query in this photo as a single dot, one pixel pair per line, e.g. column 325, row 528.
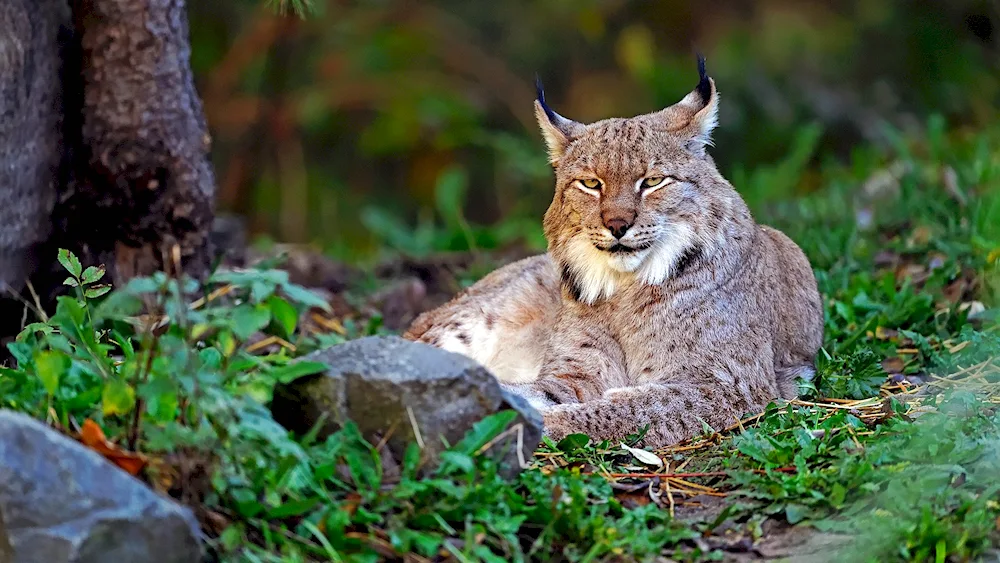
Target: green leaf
column 411, row 459
column 426, row 544
column 248, row 319
column 70, row 315
column 124, row 343
column 462, row 461
column 290, row 372
column 49, row 367
column 70, row 262
column 33, row 328
column 302, row 295
column 284, row 314
column 449, row 194
column 226, row 343
column 96, row 291
column 85, row 400
column 14, row 373
column 484, row 431
column 573, row 442
column 118, row 397
column 92, row 274
column 21, row 352
column 292, row 508
column 160, row 397
column 59, row 342
column 70, row 282
column 139, row 286
column 795, row 513
column 246, row 502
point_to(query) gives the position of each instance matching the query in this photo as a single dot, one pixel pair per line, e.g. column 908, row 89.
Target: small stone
column 61, row 502
column 389, row 387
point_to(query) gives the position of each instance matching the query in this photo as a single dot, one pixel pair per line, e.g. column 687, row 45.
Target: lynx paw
column 556, row 424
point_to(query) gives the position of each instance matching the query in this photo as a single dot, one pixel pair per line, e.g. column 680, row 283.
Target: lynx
column 660, row 303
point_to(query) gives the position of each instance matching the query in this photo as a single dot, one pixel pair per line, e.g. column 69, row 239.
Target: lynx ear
column 695, row 116
column 558, row 131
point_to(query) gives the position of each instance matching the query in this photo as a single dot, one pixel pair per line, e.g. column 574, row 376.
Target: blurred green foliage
column 374, row 124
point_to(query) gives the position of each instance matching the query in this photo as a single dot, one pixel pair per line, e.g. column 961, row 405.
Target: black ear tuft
column 540, row 92
column 704, row 86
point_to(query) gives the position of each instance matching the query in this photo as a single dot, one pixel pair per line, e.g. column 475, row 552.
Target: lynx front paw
column 556, row 424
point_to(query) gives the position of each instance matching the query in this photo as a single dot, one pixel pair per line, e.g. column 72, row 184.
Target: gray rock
column 61, row 502
column 386, row 385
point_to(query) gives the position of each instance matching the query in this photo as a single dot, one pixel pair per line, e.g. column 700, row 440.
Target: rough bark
column 31, row 145
column 103, row 144
column 143, row 190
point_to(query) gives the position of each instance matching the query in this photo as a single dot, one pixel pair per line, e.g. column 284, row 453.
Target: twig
column 416, row 429
column 517, row 429
column 739, row 424
column 38, row 302
column 212, row 296
column 385, row 439
column 330, row 324
column 670, row 494
column 701, row 474
column 263, row 343
column 689, row 484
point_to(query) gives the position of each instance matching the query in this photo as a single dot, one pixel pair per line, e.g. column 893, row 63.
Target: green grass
column 186, row 386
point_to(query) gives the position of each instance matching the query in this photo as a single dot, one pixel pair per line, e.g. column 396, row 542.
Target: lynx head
column 635, row 198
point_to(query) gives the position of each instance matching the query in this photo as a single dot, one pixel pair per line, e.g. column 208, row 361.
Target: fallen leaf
column 635, row 499
column 958, row 347
column 647, row 457
column 883, row 333
column 885, row 258
column 973, row 307
column 950, row 180
column 894, row 364
column 956, row 290
column 351, row 504
column 218, row 522
column 92, row 436
column 920, row 236
column 914, row 272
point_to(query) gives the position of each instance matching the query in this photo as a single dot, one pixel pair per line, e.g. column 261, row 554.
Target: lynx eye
column 653, row 182
column 590, row 184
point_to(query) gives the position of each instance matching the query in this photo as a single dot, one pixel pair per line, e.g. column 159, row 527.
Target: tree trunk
column 144, row 186
column 31, row 141
column 103, row 142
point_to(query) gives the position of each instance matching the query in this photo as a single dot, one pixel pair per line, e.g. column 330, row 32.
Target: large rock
column 379, row 382
column 61, row 502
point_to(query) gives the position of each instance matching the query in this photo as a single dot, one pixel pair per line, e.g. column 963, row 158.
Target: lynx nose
column 618, row 227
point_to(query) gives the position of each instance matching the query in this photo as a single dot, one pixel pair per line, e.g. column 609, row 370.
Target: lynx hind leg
column 788, row 379
column 800, row 317
column 502, row 321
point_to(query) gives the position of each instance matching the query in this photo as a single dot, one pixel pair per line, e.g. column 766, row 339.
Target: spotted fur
column 696, row 314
